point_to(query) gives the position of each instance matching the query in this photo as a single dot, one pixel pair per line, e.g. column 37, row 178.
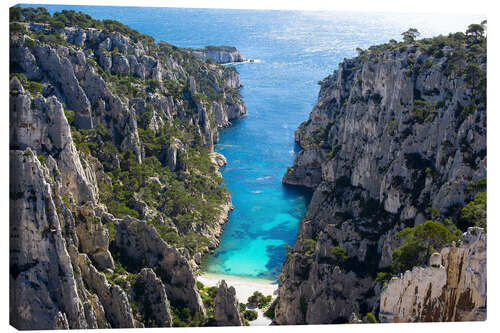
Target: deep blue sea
column 294, row 50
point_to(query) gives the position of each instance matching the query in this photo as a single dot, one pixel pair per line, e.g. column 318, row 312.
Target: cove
column 293, row 51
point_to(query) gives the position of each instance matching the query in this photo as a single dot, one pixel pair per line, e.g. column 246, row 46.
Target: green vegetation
column 221, row 48
column 111, row 230
column 259, row 300
column 70, row 116
column 370, row 318
column 250, row 315
column 184, row 318
column 208, row 295
column 126, row 86
column 423, row 111
column 183, row 198
column 308, row 246
column 383, row 277
column 480, row 185
column 33, row 87
column 392, row 126
column 338, row 252
column 28, row 152
column 269, row 313
column 333, row 152
column 70, row 18
column 65, row 199
column 474, row 213
column 16, row 28
column 466, row 58
column 289, row 251
column 410, row 35
column 193, row 200
column 41, row 158
column 419, row 243
column 303, row 306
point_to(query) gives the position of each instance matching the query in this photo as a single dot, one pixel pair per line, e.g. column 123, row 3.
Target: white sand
column 245, row 288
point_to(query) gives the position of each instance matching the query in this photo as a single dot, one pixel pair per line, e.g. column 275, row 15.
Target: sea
column 292, row 51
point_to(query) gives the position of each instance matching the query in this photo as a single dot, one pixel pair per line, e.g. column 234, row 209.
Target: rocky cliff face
column 451, row 288
column 219, row 54
column 103, row 126
column 226, row 306
column 397, row 130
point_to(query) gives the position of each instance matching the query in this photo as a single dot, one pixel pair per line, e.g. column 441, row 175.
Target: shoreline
column 245, row 287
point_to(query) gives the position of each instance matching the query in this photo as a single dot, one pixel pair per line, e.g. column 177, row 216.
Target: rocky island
column 115, row 193
column 395, row 151
column 219, row 54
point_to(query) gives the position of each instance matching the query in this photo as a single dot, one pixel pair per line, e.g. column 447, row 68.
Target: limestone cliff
column 452, row 288
column 397, row 130
column 114, row 187
column 226, row 306
column 219, row 54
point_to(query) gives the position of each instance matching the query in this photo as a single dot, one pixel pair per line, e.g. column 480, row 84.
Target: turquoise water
column 294, row 51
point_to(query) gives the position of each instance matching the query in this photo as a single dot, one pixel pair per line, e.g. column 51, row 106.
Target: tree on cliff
column 419, row 243
column 410, row 35
column 476, row 31
column 474, row 213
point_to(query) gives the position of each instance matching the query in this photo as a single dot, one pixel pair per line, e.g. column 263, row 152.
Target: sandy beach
column 245, row 287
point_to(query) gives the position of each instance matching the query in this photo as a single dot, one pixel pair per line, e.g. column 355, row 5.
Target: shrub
column 70, row 116
column 419, row 243
column 250, row 315
column 258, row 299
column 338, row 252
column 41, row 158
column 303, row 306
column 433, row 213
column 154, row 84
column 17, row 28
column 270, row 311
column 423, row 111
column 32, row 86
column 474, row 213
column 428, row 63
column 370, row 318
column 111, row 230
column 383, row 277
column 308, row 246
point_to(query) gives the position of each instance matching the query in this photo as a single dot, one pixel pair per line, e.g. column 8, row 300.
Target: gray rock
column 221, row 55
column 226, row 306
column 375, row 168
column 60, row 231
column 140, row 243
column 153, row 301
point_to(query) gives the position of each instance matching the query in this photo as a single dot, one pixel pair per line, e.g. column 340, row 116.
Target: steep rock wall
column 71, row 264
column 395, row 131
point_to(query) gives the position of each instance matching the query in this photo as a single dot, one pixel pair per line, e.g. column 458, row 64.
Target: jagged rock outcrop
column 112, row 297
column 151, row 295
column 54, row 186
column 43, row 291
column 142, row 246
column 83, row 104
column 397, row 130
column 451, row 288
column 75, row 80
column 219, row 54
column 226, row 306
